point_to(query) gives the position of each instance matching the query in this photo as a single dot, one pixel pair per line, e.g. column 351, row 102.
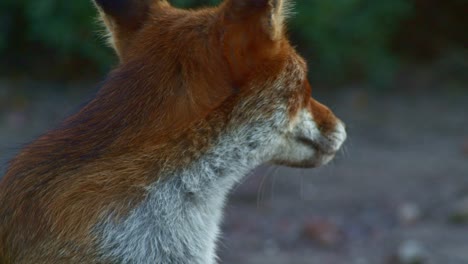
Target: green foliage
column 67, row 26
column 344, row 38
column 54, row 31
column 349, row 37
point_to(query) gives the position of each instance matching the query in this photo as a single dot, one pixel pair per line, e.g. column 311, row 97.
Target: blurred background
column 395, row 71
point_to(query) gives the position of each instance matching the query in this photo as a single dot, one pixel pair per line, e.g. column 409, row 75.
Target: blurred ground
column 399, row 188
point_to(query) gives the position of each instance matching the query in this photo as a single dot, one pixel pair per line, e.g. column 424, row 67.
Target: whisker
column 272, row 191
column 243, row 180
column 261, row 187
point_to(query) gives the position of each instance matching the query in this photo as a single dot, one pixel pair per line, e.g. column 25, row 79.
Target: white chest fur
column 178, row 222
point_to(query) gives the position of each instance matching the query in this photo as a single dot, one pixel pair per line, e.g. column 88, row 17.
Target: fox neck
column 190, row 201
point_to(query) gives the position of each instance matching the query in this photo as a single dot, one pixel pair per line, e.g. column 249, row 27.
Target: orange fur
column 155, row 112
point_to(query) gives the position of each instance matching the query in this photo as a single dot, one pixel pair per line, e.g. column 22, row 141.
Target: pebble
column 324, row 232
column 459, row 214
column 412, row 252
column 271, row 248
column 465, row 148
column 409, row 213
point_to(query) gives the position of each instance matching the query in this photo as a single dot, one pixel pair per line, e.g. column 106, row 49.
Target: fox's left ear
column 264, row 16
column 124, row 17
column 253, row 33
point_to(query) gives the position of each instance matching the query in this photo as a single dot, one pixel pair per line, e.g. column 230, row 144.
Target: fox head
column 234, row 58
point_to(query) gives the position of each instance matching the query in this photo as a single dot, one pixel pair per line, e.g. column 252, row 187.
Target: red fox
column 141, row 173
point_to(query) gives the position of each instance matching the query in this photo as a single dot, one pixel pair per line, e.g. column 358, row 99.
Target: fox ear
column 124, row 17
column 253, row 33
column 268, row 16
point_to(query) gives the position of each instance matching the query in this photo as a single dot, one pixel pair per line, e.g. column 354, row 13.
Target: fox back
column 142, row 172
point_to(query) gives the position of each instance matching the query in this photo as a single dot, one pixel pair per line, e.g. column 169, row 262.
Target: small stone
column 465, row 148
column 324, row 232
column 412, row 252
column 459, row 214
column 271, row 248
column 361, row 260
column 409, row 213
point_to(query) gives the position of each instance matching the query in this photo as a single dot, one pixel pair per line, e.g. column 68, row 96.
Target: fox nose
column 324, row 118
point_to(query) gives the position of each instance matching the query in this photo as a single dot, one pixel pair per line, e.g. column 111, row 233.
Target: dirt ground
column 398, row 193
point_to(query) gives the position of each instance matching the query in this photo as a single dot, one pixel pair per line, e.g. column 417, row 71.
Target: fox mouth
column 318, row 147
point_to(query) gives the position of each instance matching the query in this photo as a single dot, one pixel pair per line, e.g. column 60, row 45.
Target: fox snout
column 325, row 133
column 318, row 135
column 332, row 130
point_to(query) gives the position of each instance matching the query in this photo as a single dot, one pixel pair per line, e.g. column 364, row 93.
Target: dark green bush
column 349, row 38
column 51, row 34
column 342, row 39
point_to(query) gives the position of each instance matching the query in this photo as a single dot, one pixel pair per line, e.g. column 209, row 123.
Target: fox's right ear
column 124, row 17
